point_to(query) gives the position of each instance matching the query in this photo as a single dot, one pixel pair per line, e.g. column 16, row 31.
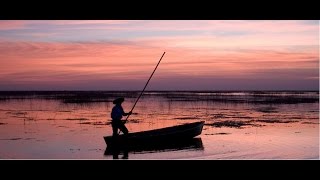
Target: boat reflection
column 116, row 150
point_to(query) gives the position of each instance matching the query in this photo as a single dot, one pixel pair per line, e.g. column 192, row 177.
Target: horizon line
column 160, row 90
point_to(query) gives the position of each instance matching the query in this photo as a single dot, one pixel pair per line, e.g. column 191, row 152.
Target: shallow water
column 238, row 125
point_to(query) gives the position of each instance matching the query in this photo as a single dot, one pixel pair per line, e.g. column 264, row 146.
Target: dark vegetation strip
column 256, row 97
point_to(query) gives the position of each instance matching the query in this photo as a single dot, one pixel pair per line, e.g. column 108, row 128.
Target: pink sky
column 120, row 55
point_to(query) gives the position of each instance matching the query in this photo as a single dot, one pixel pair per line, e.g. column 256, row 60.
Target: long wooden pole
column 145, row 85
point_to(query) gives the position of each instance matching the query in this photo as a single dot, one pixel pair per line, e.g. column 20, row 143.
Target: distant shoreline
column 255, row 97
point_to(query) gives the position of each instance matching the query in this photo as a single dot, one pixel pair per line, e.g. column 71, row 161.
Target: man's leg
column 115, row 128
column 123, row 128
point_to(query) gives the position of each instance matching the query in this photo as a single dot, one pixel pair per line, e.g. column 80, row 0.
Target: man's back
column 117, row 112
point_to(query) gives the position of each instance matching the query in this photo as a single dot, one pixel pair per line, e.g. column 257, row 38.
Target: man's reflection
column 116, row 154
column 116, row 149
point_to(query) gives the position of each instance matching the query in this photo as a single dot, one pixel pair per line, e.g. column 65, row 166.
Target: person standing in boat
column 116, row 115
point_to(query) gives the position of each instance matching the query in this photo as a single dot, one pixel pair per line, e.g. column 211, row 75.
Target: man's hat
column 118, row 100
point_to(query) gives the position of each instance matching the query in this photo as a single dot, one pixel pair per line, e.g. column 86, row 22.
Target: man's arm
column 126, row 114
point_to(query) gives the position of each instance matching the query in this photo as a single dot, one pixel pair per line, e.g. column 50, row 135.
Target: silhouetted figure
column 116, row 115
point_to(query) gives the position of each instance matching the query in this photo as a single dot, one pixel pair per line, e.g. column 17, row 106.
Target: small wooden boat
column 174, row 133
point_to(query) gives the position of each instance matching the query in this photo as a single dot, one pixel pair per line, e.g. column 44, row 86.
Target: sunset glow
column 120, row 55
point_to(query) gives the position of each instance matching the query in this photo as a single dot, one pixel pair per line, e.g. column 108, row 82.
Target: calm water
column 238, row 125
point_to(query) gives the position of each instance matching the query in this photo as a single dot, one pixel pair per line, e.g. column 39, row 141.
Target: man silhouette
column 116, row 115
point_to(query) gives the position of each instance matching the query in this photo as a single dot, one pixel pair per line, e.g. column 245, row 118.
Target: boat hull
column 174, row 133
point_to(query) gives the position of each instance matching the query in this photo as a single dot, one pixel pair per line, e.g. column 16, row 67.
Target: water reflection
column 262, row 125
column 123, row 149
